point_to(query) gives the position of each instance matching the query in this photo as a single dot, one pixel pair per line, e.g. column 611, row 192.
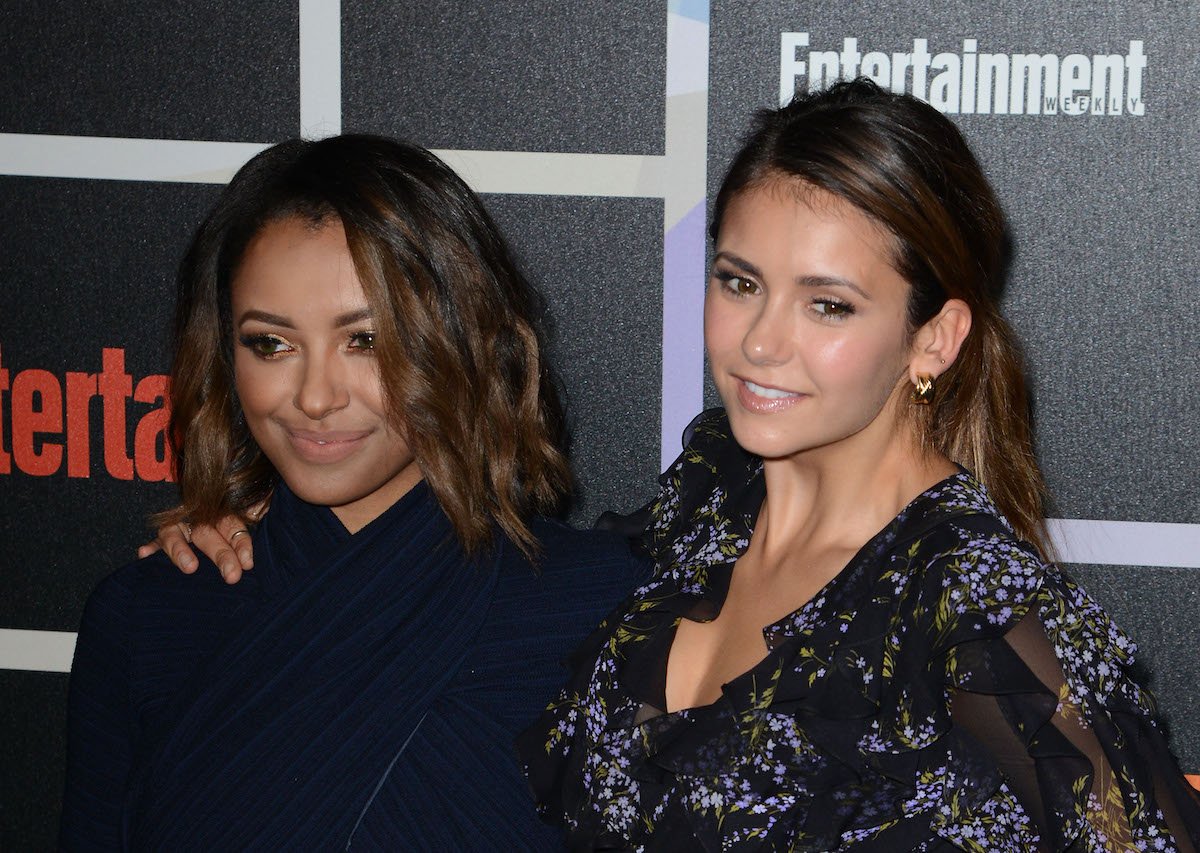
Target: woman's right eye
column 737, row 285
column 264, row 346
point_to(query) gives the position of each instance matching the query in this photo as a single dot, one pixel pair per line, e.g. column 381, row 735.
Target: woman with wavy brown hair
column 854, row 637
column 355, row 347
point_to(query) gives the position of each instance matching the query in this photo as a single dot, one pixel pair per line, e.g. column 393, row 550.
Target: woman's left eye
column 832, row 307
column 362, row 340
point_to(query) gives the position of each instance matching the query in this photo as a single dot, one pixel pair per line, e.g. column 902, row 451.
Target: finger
column 216, row 545
column 227, row 561
column 234, row 531
column 146, row 550
column 172, row 540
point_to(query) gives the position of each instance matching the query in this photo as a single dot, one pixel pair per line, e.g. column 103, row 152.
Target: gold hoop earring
column 922, row 394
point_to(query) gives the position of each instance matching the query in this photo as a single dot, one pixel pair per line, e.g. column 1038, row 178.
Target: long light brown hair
column 907, row 167
column 457, row 335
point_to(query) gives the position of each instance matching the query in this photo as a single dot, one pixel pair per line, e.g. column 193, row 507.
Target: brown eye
column 833, row 308
column 739, row 286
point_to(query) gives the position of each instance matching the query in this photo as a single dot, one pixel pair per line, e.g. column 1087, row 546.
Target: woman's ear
column 936, row 344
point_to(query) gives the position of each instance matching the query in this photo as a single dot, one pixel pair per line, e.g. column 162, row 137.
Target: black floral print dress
column 946, row 690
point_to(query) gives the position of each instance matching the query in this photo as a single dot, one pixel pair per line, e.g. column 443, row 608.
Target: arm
column 1126, row 775
column 100, row 723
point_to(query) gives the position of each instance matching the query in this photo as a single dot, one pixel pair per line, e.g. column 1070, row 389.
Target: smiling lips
column 764, row 399
column 325, row 446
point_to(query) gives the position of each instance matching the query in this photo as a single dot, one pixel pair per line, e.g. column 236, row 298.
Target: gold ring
column 235, row 534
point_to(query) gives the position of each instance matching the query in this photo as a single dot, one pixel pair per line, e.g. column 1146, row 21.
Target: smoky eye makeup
column 264, row 345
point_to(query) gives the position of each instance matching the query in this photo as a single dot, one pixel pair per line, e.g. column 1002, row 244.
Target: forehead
column 786, row 221
column 293, row 266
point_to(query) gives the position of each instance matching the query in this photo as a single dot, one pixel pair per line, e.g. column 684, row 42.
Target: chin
column 769, row 443
column 322, row 494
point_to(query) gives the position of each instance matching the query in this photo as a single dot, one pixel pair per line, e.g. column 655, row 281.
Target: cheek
column 255, row 390
column 367, row 388
column 721, row 331
column 860, row 363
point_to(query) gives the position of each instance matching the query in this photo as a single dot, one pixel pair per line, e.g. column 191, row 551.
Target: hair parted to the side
column 457, row 337
column 907, row 167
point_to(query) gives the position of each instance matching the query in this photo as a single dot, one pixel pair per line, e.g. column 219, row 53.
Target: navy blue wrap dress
column 351, row 692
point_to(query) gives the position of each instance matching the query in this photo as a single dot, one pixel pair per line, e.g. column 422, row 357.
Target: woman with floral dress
column 926, row 679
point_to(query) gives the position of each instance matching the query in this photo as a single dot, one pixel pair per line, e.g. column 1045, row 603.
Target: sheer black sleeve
column 1090, row 768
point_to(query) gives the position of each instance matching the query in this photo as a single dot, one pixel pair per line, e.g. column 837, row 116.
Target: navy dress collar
column 283, row 736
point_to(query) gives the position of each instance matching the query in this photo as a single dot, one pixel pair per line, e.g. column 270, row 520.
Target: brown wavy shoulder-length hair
column 459, row 352
column 907, row 167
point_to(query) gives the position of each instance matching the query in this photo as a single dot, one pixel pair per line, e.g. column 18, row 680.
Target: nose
column 769, row 341
column 322, row 389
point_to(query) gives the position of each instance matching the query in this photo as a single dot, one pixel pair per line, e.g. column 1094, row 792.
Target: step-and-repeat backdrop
column 595, row 131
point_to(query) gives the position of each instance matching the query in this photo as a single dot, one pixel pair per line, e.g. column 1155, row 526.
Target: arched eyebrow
column 341, row 320
column 352, row 317
column 804, row 280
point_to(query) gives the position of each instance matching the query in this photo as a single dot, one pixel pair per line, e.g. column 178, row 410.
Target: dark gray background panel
column 33, row 717
column 598, row 264
column 507, row 75
column 170, row 69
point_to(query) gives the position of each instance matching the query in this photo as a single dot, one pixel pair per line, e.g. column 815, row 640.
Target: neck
column 841, row 495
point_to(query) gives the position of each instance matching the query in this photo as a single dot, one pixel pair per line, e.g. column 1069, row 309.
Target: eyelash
column 827, row 307
column 269, row 347
column 730, row 282
column 841, row 309
column 264, row 346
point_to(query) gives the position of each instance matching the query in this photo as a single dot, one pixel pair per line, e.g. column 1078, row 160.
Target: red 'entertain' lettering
column 115, row 387
column 38, row 420
column 152, row 431
column 81, row 388
column 36, row 408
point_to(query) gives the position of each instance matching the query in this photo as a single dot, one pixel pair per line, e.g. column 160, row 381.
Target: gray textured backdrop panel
column 598, row 263
column 507, row 75
column 150, row 68
column 1158, row 607
column 31, row 755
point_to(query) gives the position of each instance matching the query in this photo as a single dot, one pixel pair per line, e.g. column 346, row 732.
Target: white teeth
column 769, row 393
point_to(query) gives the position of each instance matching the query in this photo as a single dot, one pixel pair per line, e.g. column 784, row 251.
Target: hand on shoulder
column 227, row 543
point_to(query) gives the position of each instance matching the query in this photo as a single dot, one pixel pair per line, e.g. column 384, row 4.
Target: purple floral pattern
column 843, row 737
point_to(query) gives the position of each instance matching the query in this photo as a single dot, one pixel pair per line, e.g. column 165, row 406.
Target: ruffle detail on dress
column 855, row 729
